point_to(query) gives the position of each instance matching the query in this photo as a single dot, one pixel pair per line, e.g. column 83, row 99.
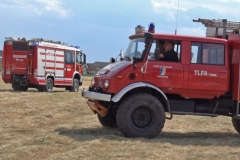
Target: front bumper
column 96, row 96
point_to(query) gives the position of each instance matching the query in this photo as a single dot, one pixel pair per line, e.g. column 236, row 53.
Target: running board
column 193, row 113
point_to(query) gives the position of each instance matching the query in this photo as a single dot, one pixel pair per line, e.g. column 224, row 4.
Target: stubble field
column 60, row 125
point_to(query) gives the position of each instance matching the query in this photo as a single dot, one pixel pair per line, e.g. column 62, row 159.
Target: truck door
column 208, row 70
column 163, row 74
column 69, row 66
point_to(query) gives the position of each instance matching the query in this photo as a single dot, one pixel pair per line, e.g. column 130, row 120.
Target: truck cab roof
column 181, row 37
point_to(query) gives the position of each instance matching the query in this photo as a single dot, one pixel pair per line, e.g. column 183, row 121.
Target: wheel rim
column 142, row 117
column 76, row 86
column 49, row 85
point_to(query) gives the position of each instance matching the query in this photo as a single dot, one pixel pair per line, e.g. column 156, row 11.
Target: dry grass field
column 59, row 125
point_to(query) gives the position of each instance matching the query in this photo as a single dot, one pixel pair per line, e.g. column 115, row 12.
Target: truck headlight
column 106, row 84
column 93, row 81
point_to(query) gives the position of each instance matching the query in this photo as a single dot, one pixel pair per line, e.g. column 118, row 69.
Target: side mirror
column 84, row 58
column 112, row 60
column 122, row 53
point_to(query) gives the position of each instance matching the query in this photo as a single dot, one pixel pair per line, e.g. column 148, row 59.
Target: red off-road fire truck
column 41, row 64
column 135, row 92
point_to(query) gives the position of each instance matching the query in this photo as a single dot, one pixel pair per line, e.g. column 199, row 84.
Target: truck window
column 207, row 53
column 152, row 50
column 69, row 57
column 79, row 58
column 135, row 48
column 195, row 53
column 19, row 46
column 177, row 48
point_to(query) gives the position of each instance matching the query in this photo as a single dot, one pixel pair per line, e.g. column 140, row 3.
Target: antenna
column 177, row 19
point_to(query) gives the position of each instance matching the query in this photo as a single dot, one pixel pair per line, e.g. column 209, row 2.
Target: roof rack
column 220, row 23
column 15, row 38
column 50, row 41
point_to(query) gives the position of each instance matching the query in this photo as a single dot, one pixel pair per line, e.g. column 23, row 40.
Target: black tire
column 236, row 124
column 75, row 86
column 68, row 88
column 16, row 86
column 23, row 88
column 49, row 85
column 141, row 115
column 40, row 90
column 107, row 121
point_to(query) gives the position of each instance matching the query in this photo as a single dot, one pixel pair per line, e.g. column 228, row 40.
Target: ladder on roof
column 15, row 38
column 50, row 41
column 220, row 23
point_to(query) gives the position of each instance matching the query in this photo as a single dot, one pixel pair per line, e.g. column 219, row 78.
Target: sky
column 101, row 28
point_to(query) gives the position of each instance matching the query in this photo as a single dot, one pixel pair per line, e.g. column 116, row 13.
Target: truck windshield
column 135, row 48
column 79, row 58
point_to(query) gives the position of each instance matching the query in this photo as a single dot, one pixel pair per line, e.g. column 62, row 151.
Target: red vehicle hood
column 114, row 68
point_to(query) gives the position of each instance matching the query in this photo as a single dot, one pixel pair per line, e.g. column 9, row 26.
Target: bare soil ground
column 59, row 125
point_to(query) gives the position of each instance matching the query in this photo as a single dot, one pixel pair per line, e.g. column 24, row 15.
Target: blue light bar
column 151, row 27
column 139, row 29
column 78, row 47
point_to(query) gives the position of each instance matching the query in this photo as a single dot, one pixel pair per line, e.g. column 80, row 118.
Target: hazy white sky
column 101, row 28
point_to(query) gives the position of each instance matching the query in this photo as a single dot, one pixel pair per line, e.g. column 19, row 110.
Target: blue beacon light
column 78, row 47
column 139, row 29
column 151, row 27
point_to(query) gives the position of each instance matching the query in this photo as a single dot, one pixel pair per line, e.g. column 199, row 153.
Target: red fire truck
column 135, row 92
column 41, row 64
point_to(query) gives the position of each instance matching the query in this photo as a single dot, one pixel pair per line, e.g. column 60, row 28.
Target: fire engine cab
column 41, row 64
column 139, row 91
